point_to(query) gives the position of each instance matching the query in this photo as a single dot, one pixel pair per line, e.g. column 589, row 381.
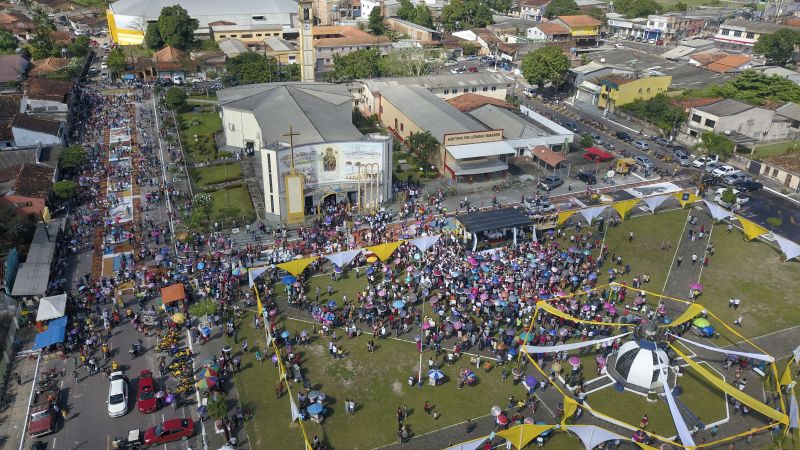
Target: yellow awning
column 624, row 207
column 297, row 266
column 384, row 251
column 693, row 310
column 564, row 215
column 521, row 435
column 751, row 229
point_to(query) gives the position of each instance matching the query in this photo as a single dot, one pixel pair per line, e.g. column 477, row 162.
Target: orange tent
column 172, row 293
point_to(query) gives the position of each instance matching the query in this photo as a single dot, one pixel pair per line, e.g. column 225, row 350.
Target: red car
column 170, row 430
column 147, row 401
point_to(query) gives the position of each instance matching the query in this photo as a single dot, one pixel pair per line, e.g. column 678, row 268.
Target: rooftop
column 429, row 111
column 320, row 112
column 277, row 44
column 232, row 47
column 47, row 65
column 151, row 9
column 514, row 126
column 725, row 107
column 342, row 36
column 730, row 63
column 439, row 81
column 468, row 102
column 592, row 66
column 790, row 110
column 581, row 20
column 550, row 28
column 12, row 68
column 52, row 90
column 33, row 123
column 34, row 180
column 245, row 27
column 756, row 27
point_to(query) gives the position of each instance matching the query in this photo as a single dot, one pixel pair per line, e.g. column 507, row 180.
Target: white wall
column 24, row 138
column 240, row 127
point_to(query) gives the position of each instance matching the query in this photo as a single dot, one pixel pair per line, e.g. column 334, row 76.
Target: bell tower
column 307, row 59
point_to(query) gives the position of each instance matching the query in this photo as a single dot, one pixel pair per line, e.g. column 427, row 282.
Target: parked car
column 682, row 159
column 146, row 400
column 701, row 161
column 597, row 138
column 216, row 86
column 586, row 177
column 749, row 186
column 711, row 180
column 450, row 62
column 103, row 65
column 724, row 170
column 645, row 162
column 117, row 395
column 457, row 70
column 550, row 182
column 42, row 417
column 472, row 69
column 736, row 177
column 712, row 166
column 661, row 141
column 472, row 58
column 624, row 137
column 641, row 145
column 741, row 199
column 572, row 126
column 169, row 431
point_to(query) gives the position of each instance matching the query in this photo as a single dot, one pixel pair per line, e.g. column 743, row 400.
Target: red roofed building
column 26, row 187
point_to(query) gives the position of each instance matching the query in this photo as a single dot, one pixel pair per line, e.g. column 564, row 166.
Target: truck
column 42, row 417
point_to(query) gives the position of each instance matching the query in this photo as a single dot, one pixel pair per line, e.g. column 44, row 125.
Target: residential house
column 46, row 66
column 30, row 130
column 621, row 27
column 791, row 111
column 27, row 187
column 592, row 70
column 9, row 108
column 17, row 24
column 618, row 90
column 687, row 48
column 533, row 9
column 741, row 34
column 730, row 64
column 780, row 72
column 704, row 59
column 671, row 27
column 584, row 29
column 342, row 40
column 232, row 47
column 62, row 38
column 12, row 71
column 88, row 22
column 549, row 32
column 743, row 123
column 286, row 52
column 51, row 97
column 172, row 62
column 209, row 61
column 415, row 32
column 509, row 29
column 249, row 34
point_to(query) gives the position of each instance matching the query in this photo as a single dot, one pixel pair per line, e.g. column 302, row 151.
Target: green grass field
column 203, row 125
column 233, row 203
column 209, row 175
column 766, row 151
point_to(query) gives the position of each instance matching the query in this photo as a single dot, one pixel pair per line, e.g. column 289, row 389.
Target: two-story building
column 741, row 34
column 16, row 23
column 618, row 90
column 342, row 40
column 549, row 32
column 26, row 188
column 249, row 34
column 533, row 9
column 51, row 97
column 12, row 71
column 743, row 123
column 584, row 29
column 671, row 27
column 623, row 28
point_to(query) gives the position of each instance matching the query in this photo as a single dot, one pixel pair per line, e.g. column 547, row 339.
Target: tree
column 203, row 308
column 176, row 97
column 716, row 144
column 598, row 14
column 176, row 27
column 406, row 10
column 72, row 157
column 79, row 47
column 658, row 110
column 203, row 202
column 375, row 25
column 637, row 8
column 252, row 68
column 217, row 407
column 41, row 43
column 117, row 61
column 152, row 37
column 8, row 42
column 752, row 87
column 210, row 44
column 424, row 145
column 422, row 16
column 502, row 6
column 778, row 47
column 465, row 14
column 728, row 196
column 65, row 189
column 680, row 6
column 12, row 225
column 545, row 65
column 586, row 140
column 562, row 8
column 410, row 62
column 358, row 64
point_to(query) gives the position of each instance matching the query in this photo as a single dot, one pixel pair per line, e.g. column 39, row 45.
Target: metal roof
column 725, row 107
column 514, row 126
column 493, row 219
column 151, row 9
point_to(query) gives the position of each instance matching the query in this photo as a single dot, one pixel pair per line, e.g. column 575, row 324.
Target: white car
column 741, row 199
column 103, row 66
column 724, row 170
column 721, row 190
column 117, row 395
column 703, row 160
column 710, row 167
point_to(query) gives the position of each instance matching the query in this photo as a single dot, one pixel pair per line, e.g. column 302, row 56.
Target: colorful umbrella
column 435, row 374
column 207, row 383
column 288, row 279
column 179, row 317
column 701, row 322
column 239, row 271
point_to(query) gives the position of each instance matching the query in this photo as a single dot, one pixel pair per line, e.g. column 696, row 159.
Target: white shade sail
column 51, row 307
column 789, row 248
column 342, row 259
column 425, row 242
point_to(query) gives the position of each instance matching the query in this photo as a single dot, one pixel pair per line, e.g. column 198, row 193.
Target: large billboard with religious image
column 336, row 162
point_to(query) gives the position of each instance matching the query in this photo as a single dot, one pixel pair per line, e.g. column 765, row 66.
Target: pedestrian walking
column 19, row 380
column 738, row 321
column 694, row 259
column 679, row 260
column 630, row 236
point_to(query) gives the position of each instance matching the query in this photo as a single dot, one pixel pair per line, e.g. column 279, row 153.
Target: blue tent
column 52, row 335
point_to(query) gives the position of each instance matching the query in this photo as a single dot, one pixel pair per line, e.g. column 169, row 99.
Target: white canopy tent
column 51, row 307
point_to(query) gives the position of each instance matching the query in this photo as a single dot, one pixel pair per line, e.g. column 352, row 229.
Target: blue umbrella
column 435, row 374
column 315, row 408
column 332, row 304
column 288, row 279
column 201, row 265
column 398, row 304
column 525, row 336
column 285, row 334
column 370, row 271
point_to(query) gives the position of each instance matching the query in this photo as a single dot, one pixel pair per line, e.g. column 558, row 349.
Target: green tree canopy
column 8, row 42
column 152, row 37
column 65, row 189
column 545, row 65
column 423, row 16
column 176, row 27
column 680, row 6
column 778, row 47
column 499, row 5
column 41, row 43
column 210, row 44
column 716, row 144
column 79, row 47
column 637, row 8
column 424, row 145
column 117, row 61
column 252, row 68
column 658, row 111
column 364, row 63
column 752, row 87
column 562, row 8
column 406, row 10
column 72, row 157
column 176, row 97
column 465, row 14
column 375, row 24
column 598, row 14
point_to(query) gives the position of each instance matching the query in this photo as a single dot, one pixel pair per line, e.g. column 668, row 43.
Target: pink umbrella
column 426, row 325
column 612, row 310
column 382, row 293
column 410, row 269
column 457, row 324
column 484, row 296
column 696, row 287
column 574, row 361
column 586, row 307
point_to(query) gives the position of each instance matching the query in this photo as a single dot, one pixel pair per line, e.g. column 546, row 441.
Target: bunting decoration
column 572, row 345
column 624, row 207
column 521, row 435
column 592, row 435
column 253, row 273
column 693, row 310
column 677, row 418
column 295, row 410
column 542, row 305
column 685, row 198
column 297, row 266
column 751, row 229
column 790, row 249
column 469, row 445
column 758, row 356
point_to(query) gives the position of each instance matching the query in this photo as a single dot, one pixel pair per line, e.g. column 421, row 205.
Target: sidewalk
column 14, row 414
